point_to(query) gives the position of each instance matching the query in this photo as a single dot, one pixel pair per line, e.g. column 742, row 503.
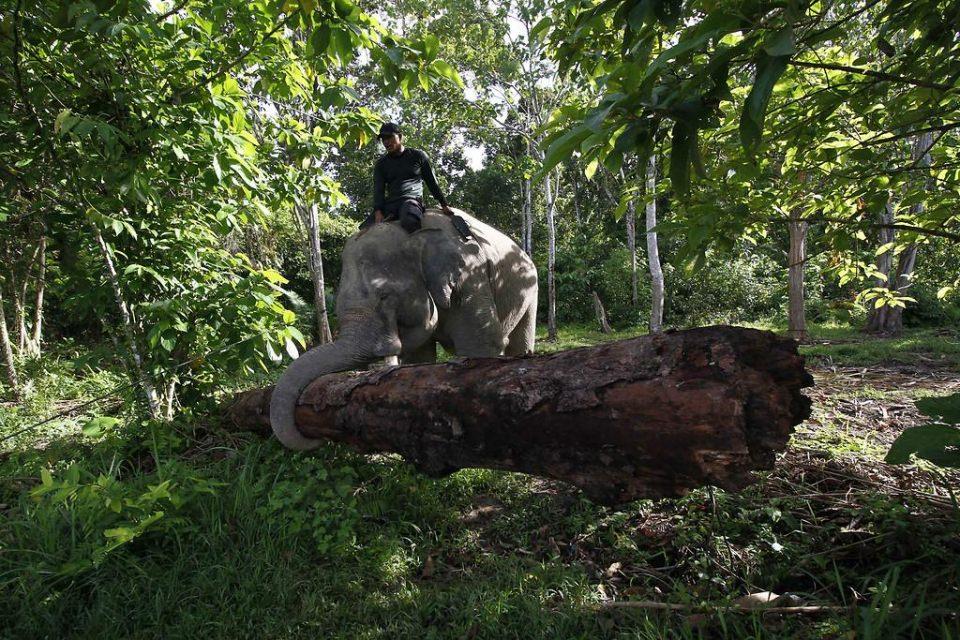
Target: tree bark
column 877, row 317
column 631, row 219
column 551, row 203
column 797, row 318
column 527, row 189
column 901, row 282
column 36, row 339
column 601, row 314
column 311, row 222
column 649, row 417
column 7, row 348
column 576, row 193
column 653, row 250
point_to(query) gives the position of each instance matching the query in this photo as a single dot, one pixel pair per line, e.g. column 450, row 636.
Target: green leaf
column 97, row 426
column 61, row 117
column 769, row 70
column 446, row 70
column 943, row 408
column 431, row 45
column 561, row 148
column 291, row 348
column 683, row 141
column 544, row 24
column 782, row 43
column 937, row 443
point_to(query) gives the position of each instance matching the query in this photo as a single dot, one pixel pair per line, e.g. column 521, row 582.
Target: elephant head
column 391, row 287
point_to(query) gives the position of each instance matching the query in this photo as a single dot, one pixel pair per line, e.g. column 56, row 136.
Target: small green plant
column 937, row 442
column 96, row 514
column 309, row 494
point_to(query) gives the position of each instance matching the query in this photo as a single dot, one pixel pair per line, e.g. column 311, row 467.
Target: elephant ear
column 443, row 261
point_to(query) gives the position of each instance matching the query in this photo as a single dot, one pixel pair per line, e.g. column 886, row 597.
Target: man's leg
column 390, row 211
column 411, row 215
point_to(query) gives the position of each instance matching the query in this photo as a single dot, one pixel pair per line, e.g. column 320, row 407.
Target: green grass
column 164, row 530
column 827, row 345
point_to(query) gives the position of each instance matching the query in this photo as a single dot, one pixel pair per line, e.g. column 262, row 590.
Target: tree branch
column 179, row 95
column 888, row 77
column 175, row 9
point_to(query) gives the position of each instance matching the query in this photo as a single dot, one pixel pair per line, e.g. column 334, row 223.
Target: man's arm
column 379, row 185
column 426, row 171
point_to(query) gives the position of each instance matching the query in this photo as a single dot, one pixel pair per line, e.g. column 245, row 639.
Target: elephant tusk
column 391, row 361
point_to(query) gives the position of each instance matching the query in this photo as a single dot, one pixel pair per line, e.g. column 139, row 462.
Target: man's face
column 391, row 142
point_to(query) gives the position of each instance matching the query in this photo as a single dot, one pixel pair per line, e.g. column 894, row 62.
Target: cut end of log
column 648, row 417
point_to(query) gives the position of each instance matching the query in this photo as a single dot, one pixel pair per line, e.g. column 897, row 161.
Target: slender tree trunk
column 877, row 317
column 601, row 314
column 893, row 322
column 631, row 219
column 7, row 347
column 153, row 402
column 653, row 250
column 797, row 322
column 37, row 338
column 551, row 202
column 528, row 216
column 19, row 289
column 170, row 400
column 631, row 224
column 576, row 194
column 308, row 215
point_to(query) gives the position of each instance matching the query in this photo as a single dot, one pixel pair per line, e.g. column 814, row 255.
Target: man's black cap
column 389, row 128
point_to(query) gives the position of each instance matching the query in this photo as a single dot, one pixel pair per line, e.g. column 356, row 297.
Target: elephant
column 402, row 293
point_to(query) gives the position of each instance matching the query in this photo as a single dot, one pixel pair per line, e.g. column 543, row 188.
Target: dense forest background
column 178, row 179
column 163, row 174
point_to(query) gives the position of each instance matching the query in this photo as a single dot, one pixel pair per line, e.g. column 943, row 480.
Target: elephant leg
column 521, row 340
column 426, row 354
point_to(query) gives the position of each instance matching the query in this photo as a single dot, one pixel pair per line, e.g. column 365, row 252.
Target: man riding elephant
column 398, row 178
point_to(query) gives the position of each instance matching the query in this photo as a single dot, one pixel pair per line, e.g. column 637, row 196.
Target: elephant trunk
column 329, row 358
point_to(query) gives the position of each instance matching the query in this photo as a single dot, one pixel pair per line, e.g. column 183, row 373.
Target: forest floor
column 135, row 529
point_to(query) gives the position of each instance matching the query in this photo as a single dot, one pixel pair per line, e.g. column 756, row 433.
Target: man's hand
column 447, row 210
column 378, row 216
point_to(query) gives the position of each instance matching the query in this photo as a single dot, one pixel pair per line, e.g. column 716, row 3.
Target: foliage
column 839, row 118
column 243, row 547
column 143, row 126
column 937, row 442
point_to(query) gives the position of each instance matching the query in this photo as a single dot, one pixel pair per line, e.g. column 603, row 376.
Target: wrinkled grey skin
column 402, row 293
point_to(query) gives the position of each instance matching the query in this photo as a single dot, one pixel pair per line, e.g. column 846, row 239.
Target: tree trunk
column 601, row 314
column 19, row 288
column 526, row 193
column 126, row 320
column 877, row 317
column 901, row 282
column 653, row 250
column 797, row 322
column 576, row 194
column 649, row 417
column 551, row 202
column 7, row 348
column 309, row 218
column 34, row 344
column 631, row 218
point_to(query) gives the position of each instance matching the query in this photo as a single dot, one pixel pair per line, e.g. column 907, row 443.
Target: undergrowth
column 175, row 530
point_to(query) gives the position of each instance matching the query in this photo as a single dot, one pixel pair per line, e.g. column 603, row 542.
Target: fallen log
column 648, row 417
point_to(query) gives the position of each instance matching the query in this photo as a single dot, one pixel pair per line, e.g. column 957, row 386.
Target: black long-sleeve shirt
column 401, row 177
